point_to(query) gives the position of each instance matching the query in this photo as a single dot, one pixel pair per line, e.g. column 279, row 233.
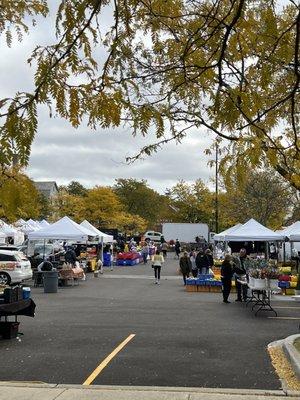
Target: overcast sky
column 62, row 153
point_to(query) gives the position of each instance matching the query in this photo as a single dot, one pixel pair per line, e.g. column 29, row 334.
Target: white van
column 14, row 267
column 153, row 236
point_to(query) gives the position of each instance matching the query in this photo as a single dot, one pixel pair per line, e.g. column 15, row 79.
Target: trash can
column 50, row 281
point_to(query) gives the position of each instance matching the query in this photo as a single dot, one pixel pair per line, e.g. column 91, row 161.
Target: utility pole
column 217, row 191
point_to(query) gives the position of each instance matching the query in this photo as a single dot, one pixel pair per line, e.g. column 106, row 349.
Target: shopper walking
column 226, row 277
column 145, row 253
column 185, row 266
column 164, row 248
column 177, row 248
column 158, row 260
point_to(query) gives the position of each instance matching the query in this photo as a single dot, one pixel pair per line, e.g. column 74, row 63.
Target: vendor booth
column 14, row 301
column 220, row 237
column 253, row 231
column 292, row 251
column 101, row 238
column 262, row 275
column 64, row 229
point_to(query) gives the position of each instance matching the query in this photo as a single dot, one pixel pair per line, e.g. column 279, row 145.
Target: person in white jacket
column 157, row 262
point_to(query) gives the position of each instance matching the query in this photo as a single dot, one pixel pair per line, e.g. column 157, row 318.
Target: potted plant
column 272, row 275
column 258, row 280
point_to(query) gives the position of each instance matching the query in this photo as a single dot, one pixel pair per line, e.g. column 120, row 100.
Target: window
column 7, row 257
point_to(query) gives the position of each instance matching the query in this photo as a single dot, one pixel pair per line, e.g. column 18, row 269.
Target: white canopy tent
column 253, row 231
column 33, row 223
column 292, row 232
column 104, row 237
column 20, row 222
column 220, row 237
column 27, row 228
column 10, row 231
column 64, row 229
column 2, row 237
column 44, row 223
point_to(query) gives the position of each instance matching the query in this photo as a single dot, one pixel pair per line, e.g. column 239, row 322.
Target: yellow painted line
column 284, row 318
column 107, row 360
column 296, row 308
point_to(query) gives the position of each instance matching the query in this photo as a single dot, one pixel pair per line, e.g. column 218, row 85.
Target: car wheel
column 5, row 279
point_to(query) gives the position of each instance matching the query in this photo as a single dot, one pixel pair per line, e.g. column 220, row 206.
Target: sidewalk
column 31, row 391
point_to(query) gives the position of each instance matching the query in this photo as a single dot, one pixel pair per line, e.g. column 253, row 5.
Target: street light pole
column 217, row 192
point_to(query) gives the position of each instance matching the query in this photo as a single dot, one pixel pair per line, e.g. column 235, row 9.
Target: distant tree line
column 131, row 205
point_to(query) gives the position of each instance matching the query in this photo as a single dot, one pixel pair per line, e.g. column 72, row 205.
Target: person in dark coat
column 240, row 272
column 210, row 258
column 70, row 256
column 202, row 262
column 177, row 248
column 185, row 265
column 226, row 277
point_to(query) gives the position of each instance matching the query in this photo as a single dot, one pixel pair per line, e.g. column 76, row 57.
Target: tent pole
column 267, row 251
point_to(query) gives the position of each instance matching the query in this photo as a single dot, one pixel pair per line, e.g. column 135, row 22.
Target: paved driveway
column 181, row 339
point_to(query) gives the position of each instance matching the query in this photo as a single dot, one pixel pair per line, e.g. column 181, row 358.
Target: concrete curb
column 167, row 391
column 292, row 354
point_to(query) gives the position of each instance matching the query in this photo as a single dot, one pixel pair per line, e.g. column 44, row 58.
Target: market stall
column 14, row 302
column 292, row 233
column 101, row 238
column 253, row 231
column 64, row 229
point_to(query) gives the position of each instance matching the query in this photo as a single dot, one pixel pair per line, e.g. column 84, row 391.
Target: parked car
column 14, row 267
column 153, row 236
column 4, row 246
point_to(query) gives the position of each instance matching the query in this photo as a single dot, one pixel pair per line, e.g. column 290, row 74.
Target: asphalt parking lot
column 181, row 339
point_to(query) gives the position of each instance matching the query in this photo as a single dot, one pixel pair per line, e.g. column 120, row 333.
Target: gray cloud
column 62, row 153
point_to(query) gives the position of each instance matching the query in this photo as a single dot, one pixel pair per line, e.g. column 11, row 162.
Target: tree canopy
column 75, row 188
column 18, row 196
column 229, row 66
column 263, row 196
column 191, row 202
column 138, row 198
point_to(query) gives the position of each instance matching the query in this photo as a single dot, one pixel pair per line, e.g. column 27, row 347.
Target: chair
column 38, row 278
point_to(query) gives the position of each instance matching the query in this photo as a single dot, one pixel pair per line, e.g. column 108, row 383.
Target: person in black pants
column 226, row 276
column 177, row 248
column 240, row 272
column 202, row 262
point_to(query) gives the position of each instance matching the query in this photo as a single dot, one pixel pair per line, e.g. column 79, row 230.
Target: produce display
column 129, row 258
